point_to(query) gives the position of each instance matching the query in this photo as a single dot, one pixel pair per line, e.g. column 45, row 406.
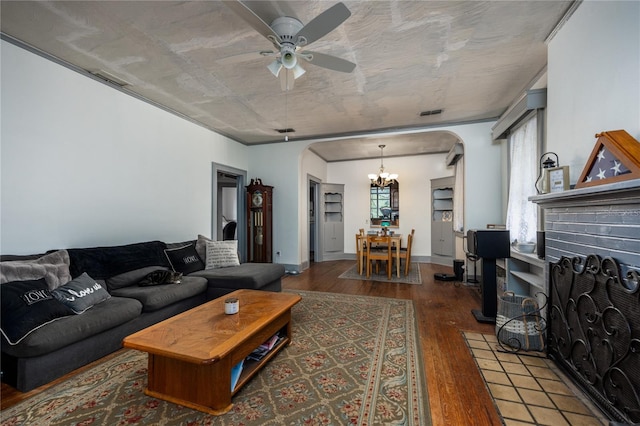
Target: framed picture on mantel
column 557, row 179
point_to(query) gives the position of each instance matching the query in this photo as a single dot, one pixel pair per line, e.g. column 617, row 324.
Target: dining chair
column 361, row 243
column 382, row 251
column 405, row 253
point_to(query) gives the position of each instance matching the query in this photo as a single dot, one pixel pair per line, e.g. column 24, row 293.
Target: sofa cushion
column 26, row 307
column 105, row 262
column 246, row 275
column 104, row 316
column 54, row 267
column 132, row 277
column 157, row 297
column 81, row 293
column 184, row 259
column 161, row 277
column 222, row 254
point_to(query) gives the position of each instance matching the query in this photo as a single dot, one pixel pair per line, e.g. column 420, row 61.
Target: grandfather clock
column 259, row 221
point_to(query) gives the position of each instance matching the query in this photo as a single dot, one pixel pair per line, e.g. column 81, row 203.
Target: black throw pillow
column 161, row 276
column 81, row 293
column 27, row 306
column 184, row 259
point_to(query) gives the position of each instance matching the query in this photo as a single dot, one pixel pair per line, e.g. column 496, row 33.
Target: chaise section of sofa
column 254, row 276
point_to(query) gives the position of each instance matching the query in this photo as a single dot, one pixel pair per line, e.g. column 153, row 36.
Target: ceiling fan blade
column 327, row 61
column 253, row 20
column 324, row 23
column 244, row 57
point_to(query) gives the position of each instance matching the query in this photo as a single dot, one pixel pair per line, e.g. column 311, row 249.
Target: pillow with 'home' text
column 184, row 259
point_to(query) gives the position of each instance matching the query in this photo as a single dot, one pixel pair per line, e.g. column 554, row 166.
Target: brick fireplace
column 592, row 270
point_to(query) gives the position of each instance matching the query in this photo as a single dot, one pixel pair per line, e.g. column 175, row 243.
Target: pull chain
column 286, row 110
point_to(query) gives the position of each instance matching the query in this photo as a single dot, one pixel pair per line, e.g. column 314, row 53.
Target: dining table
column 396, row 241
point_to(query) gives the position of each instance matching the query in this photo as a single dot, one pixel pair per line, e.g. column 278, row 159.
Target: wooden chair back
column 360, row 251
column 405, row 253
column 382, row 251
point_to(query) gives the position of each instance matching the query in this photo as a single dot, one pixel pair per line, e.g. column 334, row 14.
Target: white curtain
column 522, row 214
column 458, row 197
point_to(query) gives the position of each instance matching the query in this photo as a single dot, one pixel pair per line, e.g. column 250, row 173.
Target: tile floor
column 528, row 389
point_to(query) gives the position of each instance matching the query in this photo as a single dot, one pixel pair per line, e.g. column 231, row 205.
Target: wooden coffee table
column 191, row 354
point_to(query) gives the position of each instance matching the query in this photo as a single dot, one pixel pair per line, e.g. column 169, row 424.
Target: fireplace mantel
column 592, row 264
column 611, row 193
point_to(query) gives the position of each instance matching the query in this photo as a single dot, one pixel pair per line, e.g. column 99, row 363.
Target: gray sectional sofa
column 125, row 300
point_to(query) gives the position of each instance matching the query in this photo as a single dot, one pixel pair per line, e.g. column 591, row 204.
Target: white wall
column 593, row 79
column 279, row 165
column 83, row 164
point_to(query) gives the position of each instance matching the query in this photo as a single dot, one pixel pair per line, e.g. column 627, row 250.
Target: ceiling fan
column 289, row 36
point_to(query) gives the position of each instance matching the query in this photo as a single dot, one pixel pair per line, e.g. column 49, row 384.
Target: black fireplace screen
column 594, row 331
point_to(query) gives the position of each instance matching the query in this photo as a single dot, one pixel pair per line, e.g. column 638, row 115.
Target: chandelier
column 383, row 178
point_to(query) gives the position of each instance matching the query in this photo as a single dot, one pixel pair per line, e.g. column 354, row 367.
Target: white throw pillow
column 221, row 254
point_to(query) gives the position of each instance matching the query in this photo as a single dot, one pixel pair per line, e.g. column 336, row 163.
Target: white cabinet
column 442, row 242
column 332, row 221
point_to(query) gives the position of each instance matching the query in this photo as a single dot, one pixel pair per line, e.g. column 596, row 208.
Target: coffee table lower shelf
column 203, row 387
column 207, row 387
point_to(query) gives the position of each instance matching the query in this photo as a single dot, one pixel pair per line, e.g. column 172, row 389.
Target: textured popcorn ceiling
column 469, row 58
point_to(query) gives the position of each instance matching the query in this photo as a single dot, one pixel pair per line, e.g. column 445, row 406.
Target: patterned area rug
column 414, row 276
column 353, row 360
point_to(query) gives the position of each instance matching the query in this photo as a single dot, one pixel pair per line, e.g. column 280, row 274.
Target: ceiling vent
column 288, row 130
column 455, row 154
column 432, row 112
column 106, row 77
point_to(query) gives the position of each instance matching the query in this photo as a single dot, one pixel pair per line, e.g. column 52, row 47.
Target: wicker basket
column 518, row 322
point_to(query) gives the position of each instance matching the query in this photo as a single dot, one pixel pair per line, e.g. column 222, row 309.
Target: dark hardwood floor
column 457, row 395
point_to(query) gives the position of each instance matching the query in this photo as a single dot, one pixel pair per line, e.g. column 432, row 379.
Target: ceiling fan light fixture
column 288, row 35
column 275, row 67
column 298, row 71
column 288, row 57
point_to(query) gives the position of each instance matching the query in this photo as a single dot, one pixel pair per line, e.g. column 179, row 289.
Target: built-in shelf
column 442, row 242
column 533, row 279
column 332, row 222
column 523, row 274
column 531, row 258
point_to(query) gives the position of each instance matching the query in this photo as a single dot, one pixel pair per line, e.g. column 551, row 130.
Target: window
column 522, row 214
column 384, row 205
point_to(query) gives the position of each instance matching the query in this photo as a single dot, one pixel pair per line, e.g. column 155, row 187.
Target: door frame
column 216, row 205
column 315, row 182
